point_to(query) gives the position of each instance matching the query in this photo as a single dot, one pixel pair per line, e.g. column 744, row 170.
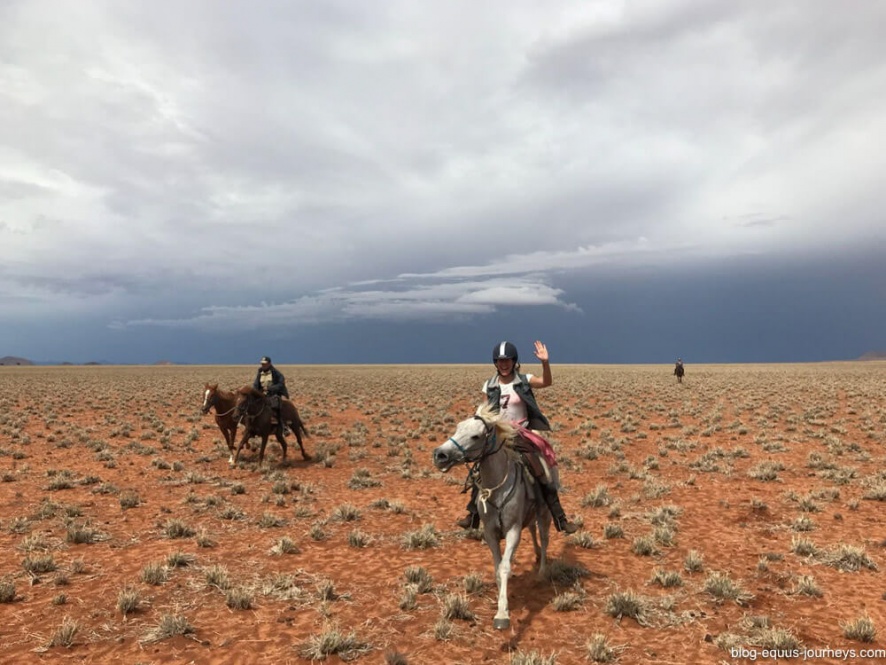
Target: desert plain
column 740, row 510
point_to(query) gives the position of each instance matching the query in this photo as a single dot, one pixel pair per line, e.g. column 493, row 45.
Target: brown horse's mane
column 250, row 390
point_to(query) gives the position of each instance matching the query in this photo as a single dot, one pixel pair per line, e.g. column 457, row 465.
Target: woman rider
column 511, row 394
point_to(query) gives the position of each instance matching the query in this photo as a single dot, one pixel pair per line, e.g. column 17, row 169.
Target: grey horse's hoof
column 501, row 624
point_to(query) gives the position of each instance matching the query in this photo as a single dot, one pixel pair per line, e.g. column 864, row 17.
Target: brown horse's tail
column 295, row 422
column 300, row 426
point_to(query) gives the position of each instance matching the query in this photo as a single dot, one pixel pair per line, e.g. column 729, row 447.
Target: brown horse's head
column 210, row 393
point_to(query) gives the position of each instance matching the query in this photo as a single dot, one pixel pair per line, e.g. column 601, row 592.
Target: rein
column 489, row 448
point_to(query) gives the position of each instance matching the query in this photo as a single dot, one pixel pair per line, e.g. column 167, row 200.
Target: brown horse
column 257, row 415
column 225, row 404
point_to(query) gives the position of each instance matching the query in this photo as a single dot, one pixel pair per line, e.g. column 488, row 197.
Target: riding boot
column 552, row 498
column 472, row 519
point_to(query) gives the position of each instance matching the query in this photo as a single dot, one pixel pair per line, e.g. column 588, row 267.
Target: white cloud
column 447, row 160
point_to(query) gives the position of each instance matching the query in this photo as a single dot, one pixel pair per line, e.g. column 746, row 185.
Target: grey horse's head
column 466, row 445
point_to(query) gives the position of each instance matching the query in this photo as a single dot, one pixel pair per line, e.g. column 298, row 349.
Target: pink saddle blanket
column 544, row 447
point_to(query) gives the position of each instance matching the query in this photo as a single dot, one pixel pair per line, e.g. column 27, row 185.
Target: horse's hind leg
column 281, row 440
column 304, row 455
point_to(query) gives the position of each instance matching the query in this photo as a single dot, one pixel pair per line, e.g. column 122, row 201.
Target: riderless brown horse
column 255, row 411
column 225, row 404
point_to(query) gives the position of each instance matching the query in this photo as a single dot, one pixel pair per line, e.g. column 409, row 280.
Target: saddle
column 533, row 462
column 274, row 405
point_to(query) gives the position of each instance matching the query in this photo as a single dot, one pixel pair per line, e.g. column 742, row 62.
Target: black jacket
column 521, row 385
column 278, row 383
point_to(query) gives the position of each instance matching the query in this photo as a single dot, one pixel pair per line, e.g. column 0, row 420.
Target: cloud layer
column 316, row 163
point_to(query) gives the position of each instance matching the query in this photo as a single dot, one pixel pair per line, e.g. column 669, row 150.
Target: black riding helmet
column 505, row 350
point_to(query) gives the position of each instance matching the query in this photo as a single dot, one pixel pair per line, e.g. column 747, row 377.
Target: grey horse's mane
column 504, row 430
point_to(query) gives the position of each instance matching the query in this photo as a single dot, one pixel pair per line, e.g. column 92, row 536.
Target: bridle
column 489, row 448
column 243, row 408
column 213, row 402
column 488, row 445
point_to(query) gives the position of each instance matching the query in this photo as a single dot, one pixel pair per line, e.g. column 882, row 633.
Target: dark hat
column 265, row 359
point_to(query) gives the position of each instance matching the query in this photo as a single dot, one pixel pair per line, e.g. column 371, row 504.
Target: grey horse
column 507, row 501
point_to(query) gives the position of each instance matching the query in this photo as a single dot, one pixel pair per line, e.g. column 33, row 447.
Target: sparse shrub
column 666, row 579
column 861, row 629
column 849, row 558
column 204, row 540
column 803, row 546
column 423, row 539
column 456, row 606
column 420, row 577
column 565, row 574
column 582, row 539
column 613, row 530
column 284, row 545
column 238, row 598
column 533, row 658
column 443, row 629
column 7, row 591
column 766, row 471
column 568, row 601
column 326, row 590
column 155, row 573
column 644, row 546
column 599, row 497
column 129, row 500
column 80, row 535
column 64, row 634
column 345, row 513
column 362, row 479
column 807, row 586
column 217, row 576
column 598, row 650
column 128, row 600
column 271, row 521
column 39, row 564
column 474, row 584
column 357, row 538
column 333, row 641
column 409, row 597
column 722, row 587
column 803, row 523
column 231, row 513
column 627, row 604
column 170, row 625
column 179, row 560
column 175, row 528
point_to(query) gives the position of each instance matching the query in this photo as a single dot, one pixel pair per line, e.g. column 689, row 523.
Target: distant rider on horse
column 678, row 370
column 271, row 382
column 511, row 394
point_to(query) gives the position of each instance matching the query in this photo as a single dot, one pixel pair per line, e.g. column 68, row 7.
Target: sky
column 402, row 182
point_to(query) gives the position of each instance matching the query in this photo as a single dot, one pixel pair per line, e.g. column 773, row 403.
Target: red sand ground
column 114, row 432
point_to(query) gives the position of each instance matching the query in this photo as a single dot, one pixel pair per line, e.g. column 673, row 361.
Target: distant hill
column 12, row 360
column 873, row 355
column 164, row 362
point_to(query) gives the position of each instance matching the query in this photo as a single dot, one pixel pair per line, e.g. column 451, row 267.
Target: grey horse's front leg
column 502, row 619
